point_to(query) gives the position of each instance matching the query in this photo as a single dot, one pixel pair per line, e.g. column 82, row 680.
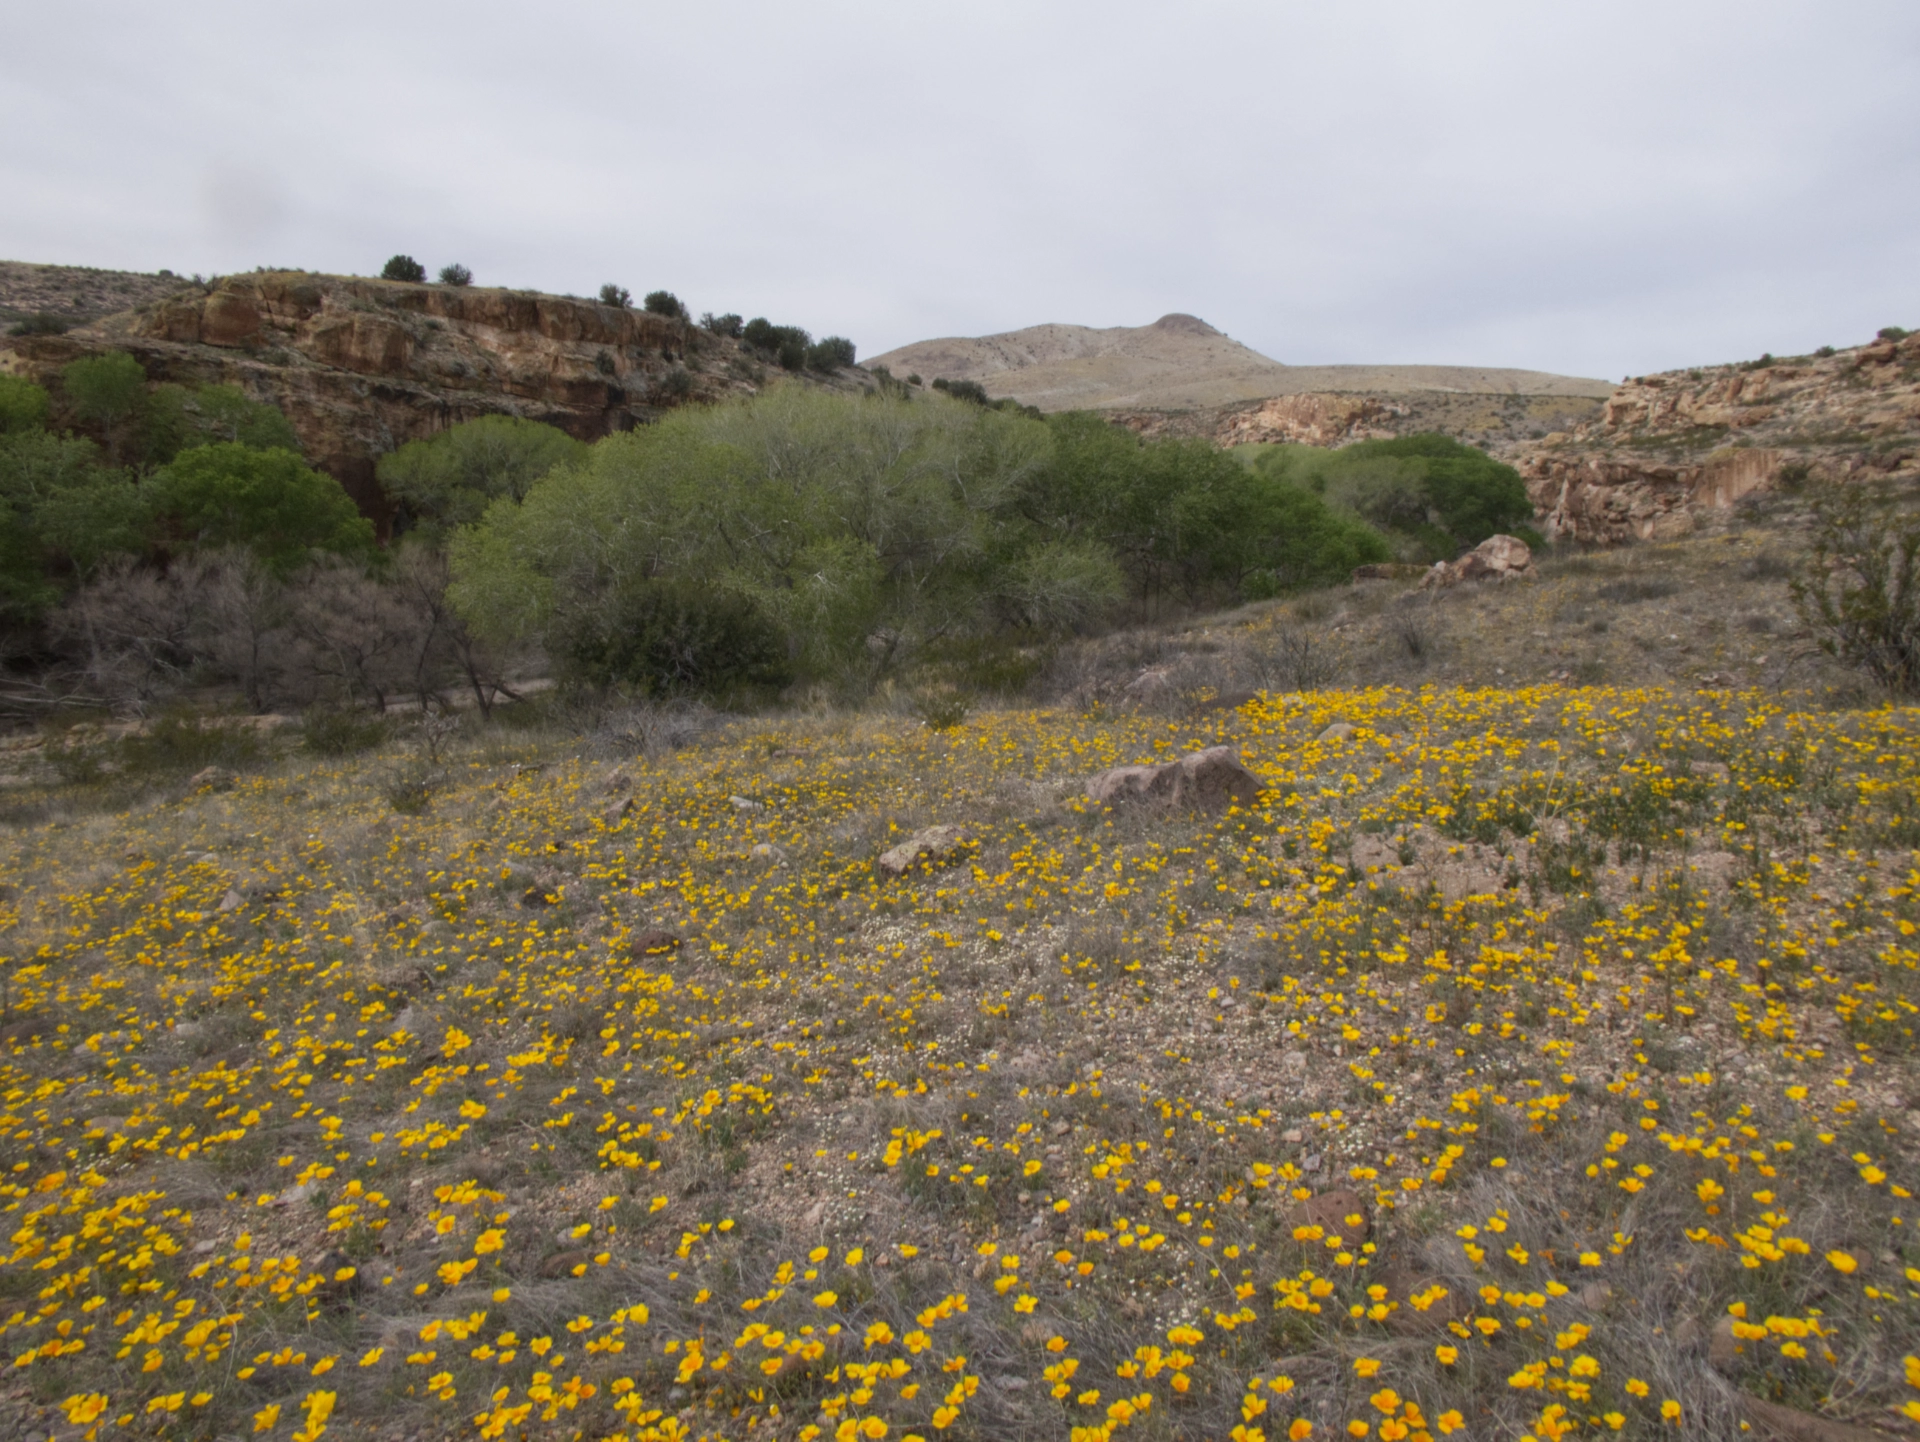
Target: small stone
column 1343, row 1213
column 1293, row 1136
column 1339, row 731
column 767, row 854
column 232, row 901
column 653, row 941
column 744, row 803
column 1723, row 1348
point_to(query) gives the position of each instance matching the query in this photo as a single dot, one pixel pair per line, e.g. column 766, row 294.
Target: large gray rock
column 1210, row 780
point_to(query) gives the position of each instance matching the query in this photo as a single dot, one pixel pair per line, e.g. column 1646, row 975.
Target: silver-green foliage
column 860, row 527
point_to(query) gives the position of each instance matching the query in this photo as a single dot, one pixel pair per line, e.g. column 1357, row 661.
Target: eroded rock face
column 1209, row 780
column 1313, row 420
column 362, row 366
column 1669, row 451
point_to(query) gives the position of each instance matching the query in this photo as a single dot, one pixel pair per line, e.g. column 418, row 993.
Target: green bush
column 1893, row 332
column 674, row 638
column 449, row 479
column 403, row 267
column 108, row 389
column 729, row 325
column 787, row 344
column 971, row 391
column 267, row 501
column 664, row 302
column 23, row 405
column 184, row 741
column 829, row 353
column 455, row 274
column 1439, row 495
column 328, row 732
column 41, row 323
column 177, row 418
column 61, row 512
column 616, row 295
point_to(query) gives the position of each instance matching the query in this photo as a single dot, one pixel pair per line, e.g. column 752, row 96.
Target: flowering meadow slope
column 1529, row 1062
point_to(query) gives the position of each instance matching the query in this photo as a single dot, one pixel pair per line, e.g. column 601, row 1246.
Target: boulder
column 1209, row 780
column 1498, row 558
column 936, row 845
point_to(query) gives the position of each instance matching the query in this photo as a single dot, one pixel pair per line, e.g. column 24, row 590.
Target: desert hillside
column 1180, row 362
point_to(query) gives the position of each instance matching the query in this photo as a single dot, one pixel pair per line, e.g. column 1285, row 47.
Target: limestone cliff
column 362, row 366
column 1667, row 451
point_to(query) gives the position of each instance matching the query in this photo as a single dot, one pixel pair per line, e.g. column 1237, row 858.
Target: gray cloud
column 1583, row 188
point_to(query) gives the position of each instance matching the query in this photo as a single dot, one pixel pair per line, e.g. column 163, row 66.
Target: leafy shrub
column 184, row 741
column 674, row 638
column 941, row 710
column 1893, row 332
column 830, row 353
column 268, row 501
column 1443, row 496
column 1859, row 592
column 23, row 405
column 664, row 302
column 729, row 325
column 1824, row 352
column 328, row 731
column 176, row 418
column 106, row 388
column 611, row 294
column 449, row 479
column 676, row 384
column 403, row 267
column 455, row 274
column 787, row 344
column 971, row 391
column 41, row 323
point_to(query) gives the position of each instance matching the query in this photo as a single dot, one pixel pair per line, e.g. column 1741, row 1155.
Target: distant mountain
column 1180, row 362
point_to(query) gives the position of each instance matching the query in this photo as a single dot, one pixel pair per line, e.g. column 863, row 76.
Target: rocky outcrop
column 1312, row 420
column 1209, row 780
column 1668, row 452
column 362, row 366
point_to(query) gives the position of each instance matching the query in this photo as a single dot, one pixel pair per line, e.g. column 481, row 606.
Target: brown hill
column 1180, row 363
column 362, row 366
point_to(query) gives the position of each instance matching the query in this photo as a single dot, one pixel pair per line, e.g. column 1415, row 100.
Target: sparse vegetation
column 455, row 275
column 1860, row 590
column 616, row 295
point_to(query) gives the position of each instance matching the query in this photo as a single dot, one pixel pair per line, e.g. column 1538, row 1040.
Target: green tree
column 179, row 417
column 455, row 274
column 23, row 405
column 618, row 295
column 111, row 391
column 403, row 267
column 62, row 513
column 448, row 479
column 664, row 302
column 269, row 501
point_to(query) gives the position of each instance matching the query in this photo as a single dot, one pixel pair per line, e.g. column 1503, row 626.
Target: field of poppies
column 1529, row 1062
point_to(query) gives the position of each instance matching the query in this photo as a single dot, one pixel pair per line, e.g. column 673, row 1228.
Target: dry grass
column 1602, row 1000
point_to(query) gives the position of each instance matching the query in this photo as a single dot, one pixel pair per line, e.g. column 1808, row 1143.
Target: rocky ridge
column 362, row 366
column 1667, row 452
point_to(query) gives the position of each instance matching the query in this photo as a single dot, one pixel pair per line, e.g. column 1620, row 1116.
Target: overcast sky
column 1585, row 188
